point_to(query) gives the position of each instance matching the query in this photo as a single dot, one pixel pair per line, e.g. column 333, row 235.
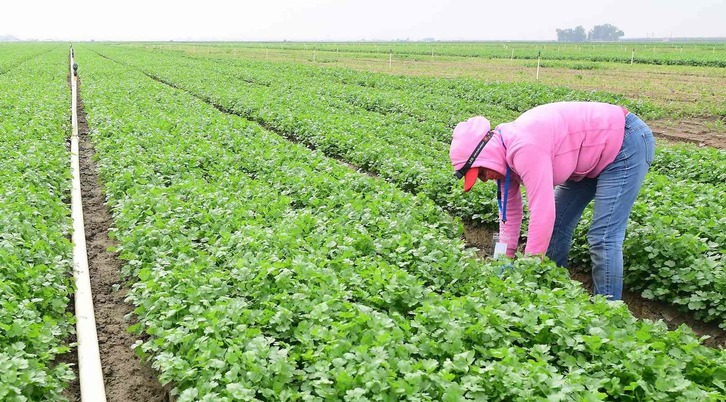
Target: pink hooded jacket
column 544, row 147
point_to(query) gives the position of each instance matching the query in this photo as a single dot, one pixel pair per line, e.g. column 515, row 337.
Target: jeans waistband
column 632, row 120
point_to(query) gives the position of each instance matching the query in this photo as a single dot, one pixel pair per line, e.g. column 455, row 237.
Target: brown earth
column 127, row 378
column 697, row 131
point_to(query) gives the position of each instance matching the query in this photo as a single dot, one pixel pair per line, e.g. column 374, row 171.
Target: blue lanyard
column 503, row 204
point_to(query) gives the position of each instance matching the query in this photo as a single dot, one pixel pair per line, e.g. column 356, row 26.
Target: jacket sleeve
column 509, row 231
column 535, row 168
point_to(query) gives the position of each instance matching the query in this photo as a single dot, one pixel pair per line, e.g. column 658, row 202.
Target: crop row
column 35, row 253
column 462, row 94
column 406, row 156
column 688, row 162
column 688, row 54
column 436, row 105
column 263, row 270
column 12, row 54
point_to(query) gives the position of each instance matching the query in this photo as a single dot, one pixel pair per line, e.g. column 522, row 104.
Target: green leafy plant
column 35, row 251
column 262, row 270
column 373, row 120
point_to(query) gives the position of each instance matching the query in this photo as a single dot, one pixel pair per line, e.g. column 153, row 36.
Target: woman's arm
column 509, row 231
column 534, row 166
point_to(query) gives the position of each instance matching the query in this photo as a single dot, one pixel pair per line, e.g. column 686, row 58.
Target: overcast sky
column 347, row 20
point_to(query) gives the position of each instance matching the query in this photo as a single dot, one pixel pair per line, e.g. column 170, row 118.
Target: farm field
column 290, row 230
column 368, row 120
column 691, row 96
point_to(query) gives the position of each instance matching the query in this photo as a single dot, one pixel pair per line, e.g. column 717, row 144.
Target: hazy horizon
column 346, row 21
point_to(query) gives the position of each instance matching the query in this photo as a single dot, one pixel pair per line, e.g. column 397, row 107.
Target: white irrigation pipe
column 89, row 359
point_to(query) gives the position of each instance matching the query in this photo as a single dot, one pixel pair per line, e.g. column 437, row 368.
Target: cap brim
column 470, row 178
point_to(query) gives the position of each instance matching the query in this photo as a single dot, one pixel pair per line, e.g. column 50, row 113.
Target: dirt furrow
column 126, row 377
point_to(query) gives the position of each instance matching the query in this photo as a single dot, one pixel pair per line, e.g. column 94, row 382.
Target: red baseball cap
column 470, row 178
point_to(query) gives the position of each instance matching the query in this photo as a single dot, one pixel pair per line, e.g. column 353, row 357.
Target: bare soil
column 127, row 378
column 479, row 237
column 697, row 131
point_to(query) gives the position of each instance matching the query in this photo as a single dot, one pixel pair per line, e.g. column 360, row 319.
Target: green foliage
column 15, row 54
column 691, row 163
column 576, row 34
column 35, row 253
column 705, row 54
column 605, row 32
column 371, row 120
column 262, row 270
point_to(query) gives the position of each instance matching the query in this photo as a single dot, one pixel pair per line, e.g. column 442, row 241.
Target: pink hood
column 467, row 136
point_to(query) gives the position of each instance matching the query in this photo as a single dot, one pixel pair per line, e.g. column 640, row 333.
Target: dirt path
column 126, row 377
column 697, row 131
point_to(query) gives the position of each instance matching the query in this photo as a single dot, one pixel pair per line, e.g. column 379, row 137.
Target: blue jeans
column 614, row 191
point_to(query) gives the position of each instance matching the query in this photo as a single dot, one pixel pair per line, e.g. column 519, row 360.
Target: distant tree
column 571, row 35
column 605, row 32
column 563, row 35
column 579, row 34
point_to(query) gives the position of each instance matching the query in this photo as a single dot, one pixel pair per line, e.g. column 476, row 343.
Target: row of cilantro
column 289, row 78
column 517, row 97
column 701, row 284
column 405, row 100
column 689, row 162
column 434, row 113
column 460, row 97
column 336, row 128
column 268, row 271
column 35, row 253
column 702, row 259
column 437, row 109
column 437, row 115
column 13, row 54
column 373, row 144
column 690, row 54
column 694, row 227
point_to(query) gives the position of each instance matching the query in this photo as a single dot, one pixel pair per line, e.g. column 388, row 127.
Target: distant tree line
column 605, row 32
